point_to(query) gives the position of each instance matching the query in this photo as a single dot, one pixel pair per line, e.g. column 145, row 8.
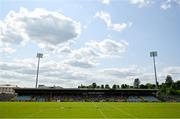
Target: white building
column 7, row 88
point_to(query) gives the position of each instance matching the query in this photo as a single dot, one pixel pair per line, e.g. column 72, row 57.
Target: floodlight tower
column 39, row 56
column 154, row 54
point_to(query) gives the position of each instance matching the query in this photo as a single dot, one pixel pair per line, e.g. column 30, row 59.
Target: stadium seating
column 90, row 98
column 40, row 99
column 133, row 99
column 23, row 98
column 150, row 99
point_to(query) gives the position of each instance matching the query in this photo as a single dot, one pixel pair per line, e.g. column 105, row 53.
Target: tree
column 107, row 86
column 117, row 86
column 114, row 86
column 169, row 82
column 81, row 86
column 136, row 83
column 150, row 86
column 177, row 85
column 143, row 86
column 124, row 86
column 94, row 85
column 170, row 91
column 102, row 86
column 90, row 86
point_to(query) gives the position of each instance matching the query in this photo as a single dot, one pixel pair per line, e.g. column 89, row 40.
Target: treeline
column 169, row 87
column 116, row 86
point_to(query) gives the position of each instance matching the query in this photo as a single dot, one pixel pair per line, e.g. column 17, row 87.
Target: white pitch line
column 131, row 116
column 102, row 113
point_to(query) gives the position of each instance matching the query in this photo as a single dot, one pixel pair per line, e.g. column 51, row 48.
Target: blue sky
column 85, row 41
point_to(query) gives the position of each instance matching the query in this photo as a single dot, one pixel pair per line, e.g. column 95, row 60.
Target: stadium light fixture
column 39, row 56
column 154, row 54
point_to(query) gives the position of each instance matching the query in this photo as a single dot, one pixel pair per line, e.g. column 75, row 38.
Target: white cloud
column 85, row 27
column 131, row 71
column 84, row 57
column 48, row 28
column 90, row 55
column 107, row 19
column 65, row 50
column 19, row 66
column 177, row 1
column 7, row 50
column 93, row 51
column 105, row 1
column 80, row 63
column 84, row 53
column 22, row 72
column 76, row 67
column 51, row 72
column 109, row 47
column 172, row 70
column 141, row 3
column 169, row 3
column 166, row 5
column 118, row 75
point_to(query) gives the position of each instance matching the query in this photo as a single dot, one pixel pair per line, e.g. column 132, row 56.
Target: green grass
column 106, row 110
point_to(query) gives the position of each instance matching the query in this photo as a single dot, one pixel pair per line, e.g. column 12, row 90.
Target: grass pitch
column 105, row 110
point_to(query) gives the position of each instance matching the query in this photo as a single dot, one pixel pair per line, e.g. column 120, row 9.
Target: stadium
column 89, row 59
column 86, row 103
column 86, row 95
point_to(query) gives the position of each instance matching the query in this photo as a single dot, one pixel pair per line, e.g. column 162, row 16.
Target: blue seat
column 150, row 99
column 23, row 98
column 133, row 99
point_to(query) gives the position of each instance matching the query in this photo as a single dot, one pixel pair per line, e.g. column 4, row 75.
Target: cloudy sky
column 86, row 41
